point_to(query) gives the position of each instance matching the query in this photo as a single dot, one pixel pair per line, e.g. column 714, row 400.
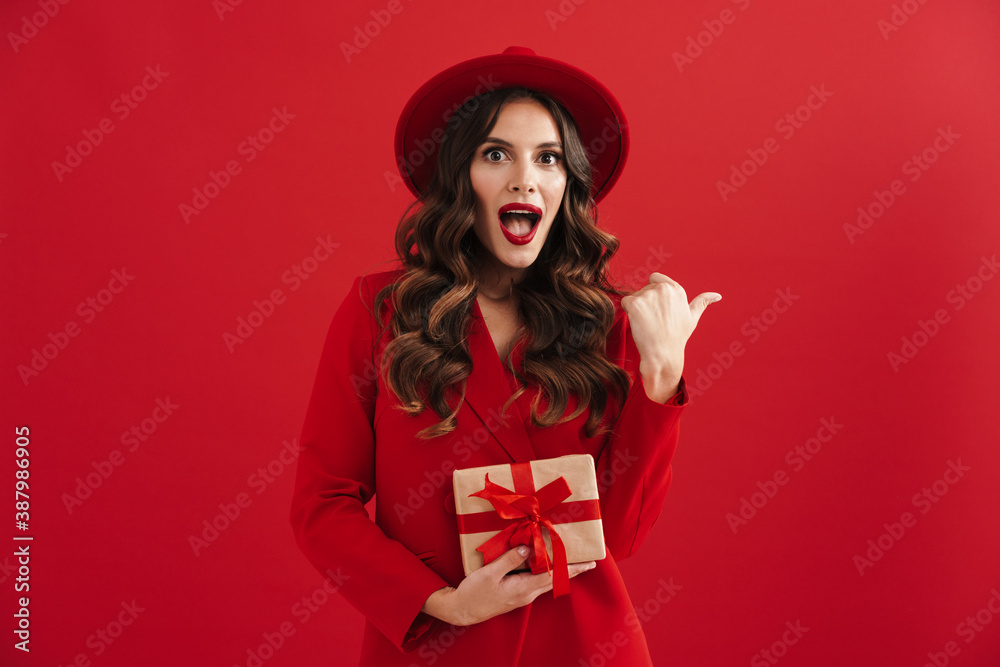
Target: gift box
column 550, row 505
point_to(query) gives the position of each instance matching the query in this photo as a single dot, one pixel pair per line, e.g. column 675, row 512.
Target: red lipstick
column 529, row 211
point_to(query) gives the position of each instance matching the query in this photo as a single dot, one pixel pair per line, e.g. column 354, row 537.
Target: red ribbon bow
column 526, row 514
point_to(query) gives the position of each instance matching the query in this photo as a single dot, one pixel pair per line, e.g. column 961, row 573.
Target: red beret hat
column 598, row 116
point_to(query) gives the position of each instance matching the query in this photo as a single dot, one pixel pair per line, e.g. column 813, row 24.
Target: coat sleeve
column 634, row 465
column 335, row 479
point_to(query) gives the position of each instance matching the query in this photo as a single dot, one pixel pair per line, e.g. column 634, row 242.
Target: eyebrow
column 547, row 144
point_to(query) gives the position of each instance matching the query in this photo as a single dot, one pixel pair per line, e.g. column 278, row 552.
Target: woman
column 498, row 340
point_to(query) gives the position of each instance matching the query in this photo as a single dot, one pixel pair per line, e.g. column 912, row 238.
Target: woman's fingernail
column 522, row 550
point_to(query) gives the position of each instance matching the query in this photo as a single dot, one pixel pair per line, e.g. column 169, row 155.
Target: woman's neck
column 498, row 285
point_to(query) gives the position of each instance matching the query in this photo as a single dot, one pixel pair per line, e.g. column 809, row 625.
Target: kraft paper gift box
column 550, row 505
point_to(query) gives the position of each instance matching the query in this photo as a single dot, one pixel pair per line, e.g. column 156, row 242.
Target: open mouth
column 519, row 222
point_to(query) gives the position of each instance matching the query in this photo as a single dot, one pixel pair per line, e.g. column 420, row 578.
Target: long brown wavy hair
column 563, row 297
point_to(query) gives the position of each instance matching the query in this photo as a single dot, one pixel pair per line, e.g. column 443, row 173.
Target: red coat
column 357, row 445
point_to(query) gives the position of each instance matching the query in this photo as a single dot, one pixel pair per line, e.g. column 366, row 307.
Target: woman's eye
column 497, row 155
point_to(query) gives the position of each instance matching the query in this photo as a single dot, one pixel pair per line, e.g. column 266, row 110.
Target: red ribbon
column 567, row 512
column 524, row 510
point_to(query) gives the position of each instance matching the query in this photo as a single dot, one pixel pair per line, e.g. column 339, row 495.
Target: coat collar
column 489, row 386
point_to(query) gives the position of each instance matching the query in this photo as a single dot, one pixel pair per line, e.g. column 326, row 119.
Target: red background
column 324, row 175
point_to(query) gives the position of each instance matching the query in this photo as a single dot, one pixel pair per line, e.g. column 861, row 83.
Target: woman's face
column 519, row 167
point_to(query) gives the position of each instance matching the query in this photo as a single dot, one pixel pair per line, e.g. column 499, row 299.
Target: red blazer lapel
column 487, row 389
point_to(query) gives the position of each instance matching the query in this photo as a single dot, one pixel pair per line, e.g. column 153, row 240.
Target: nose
column 523, row 179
